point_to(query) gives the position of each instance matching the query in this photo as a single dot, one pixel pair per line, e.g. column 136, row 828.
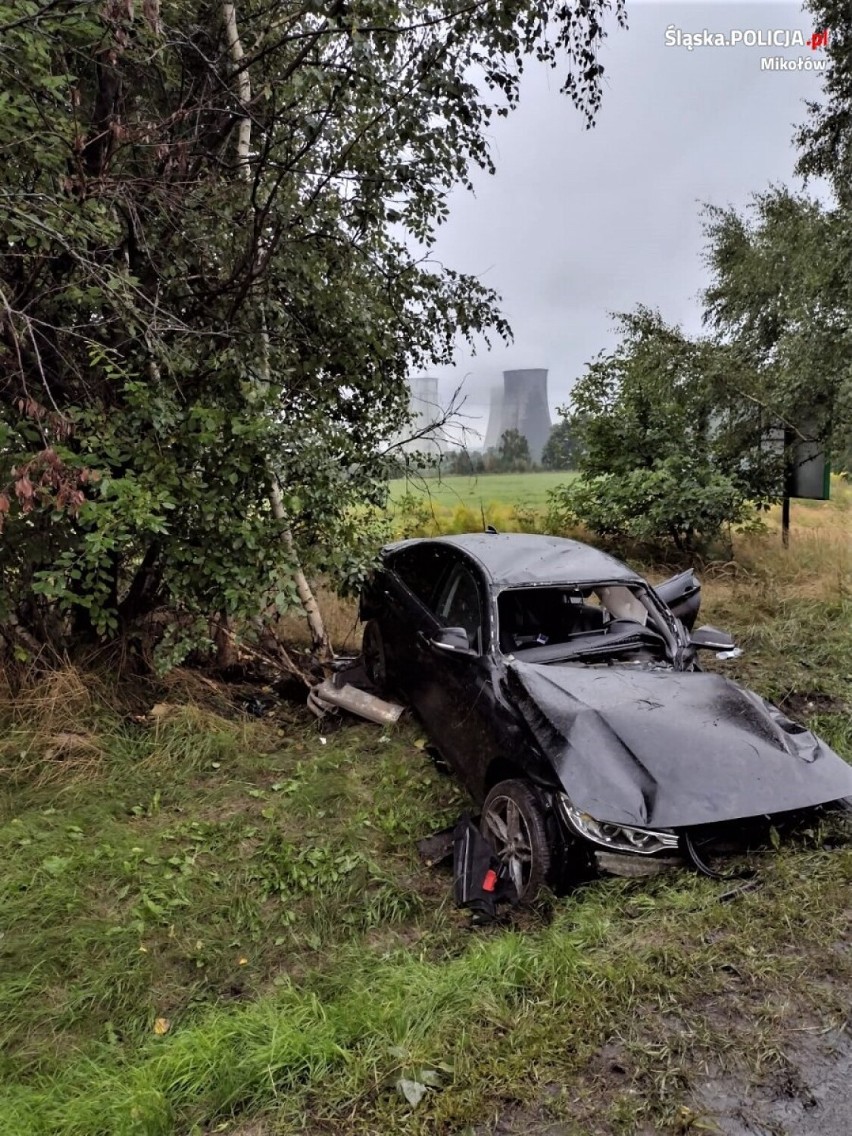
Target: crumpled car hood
column 671, row 749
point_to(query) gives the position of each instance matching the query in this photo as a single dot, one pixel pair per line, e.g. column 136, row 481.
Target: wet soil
column 811, row 1095
column 798, row 704
column 805, row 1088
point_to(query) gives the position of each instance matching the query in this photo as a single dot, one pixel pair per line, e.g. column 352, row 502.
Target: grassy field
column 517, row 502
column 216, row 924
column 529, row 489
column 512, row 502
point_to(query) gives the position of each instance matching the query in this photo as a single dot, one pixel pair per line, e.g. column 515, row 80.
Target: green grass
column 252, row 888
column 434, row 506
column 512, row 502
column 528, row 489
column 507, row 1010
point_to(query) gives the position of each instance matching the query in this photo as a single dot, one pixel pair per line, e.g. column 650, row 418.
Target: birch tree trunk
column 235, row 48
column 319, row 637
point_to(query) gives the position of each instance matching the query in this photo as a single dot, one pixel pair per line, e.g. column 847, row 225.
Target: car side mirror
column 451, row 639
column 711, row 638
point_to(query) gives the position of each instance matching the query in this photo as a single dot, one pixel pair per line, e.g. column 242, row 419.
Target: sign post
column 807, row 474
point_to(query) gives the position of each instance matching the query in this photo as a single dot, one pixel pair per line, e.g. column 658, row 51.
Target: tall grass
column 421, row 516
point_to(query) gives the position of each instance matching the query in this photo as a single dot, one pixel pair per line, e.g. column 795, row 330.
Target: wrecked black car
column 566, row 694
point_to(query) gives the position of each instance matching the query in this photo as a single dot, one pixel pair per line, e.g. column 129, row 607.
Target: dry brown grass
column 341, row 621
column 816, row 565
column 64, row 726
column 59, row 700
column 186, row 687
column 60, row 763
column 50, row 730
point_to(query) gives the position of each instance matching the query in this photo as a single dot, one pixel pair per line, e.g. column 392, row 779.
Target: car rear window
column 422, row 568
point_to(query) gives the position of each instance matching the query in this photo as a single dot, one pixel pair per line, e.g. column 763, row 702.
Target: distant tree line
column 512, row 455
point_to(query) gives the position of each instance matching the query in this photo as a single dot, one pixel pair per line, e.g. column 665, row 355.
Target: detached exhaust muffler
column 326, row 696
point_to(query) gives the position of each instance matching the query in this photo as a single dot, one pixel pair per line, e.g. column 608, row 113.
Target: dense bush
column 678, row 499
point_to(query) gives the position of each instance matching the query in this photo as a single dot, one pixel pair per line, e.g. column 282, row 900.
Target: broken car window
column 460, row 606
column 588, row 620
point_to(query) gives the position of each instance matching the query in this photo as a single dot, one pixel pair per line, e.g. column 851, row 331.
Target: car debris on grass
column 349, row 688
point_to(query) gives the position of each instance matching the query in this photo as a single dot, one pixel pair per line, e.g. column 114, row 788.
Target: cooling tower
column 495, row 420
column 426, row 409
column 424, row 398
column 525, row 407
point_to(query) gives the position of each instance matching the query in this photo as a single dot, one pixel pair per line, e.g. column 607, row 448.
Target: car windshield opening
column 556, row 622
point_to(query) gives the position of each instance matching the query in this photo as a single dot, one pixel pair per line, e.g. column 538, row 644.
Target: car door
column 408, row 585
column 456, row 695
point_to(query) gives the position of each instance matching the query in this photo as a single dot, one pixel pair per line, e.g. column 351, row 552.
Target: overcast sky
column 576, row 224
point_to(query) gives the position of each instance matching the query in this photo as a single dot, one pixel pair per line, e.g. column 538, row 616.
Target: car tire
column 375, row 656
column 513, row 822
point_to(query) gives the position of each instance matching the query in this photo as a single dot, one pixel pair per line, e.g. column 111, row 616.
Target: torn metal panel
column 682, row 595
column 437, row 848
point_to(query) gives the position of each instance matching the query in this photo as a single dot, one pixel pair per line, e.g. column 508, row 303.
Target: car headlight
column 617, row 837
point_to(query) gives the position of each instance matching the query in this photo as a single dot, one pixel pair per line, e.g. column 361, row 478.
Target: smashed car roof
column 513, row 559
